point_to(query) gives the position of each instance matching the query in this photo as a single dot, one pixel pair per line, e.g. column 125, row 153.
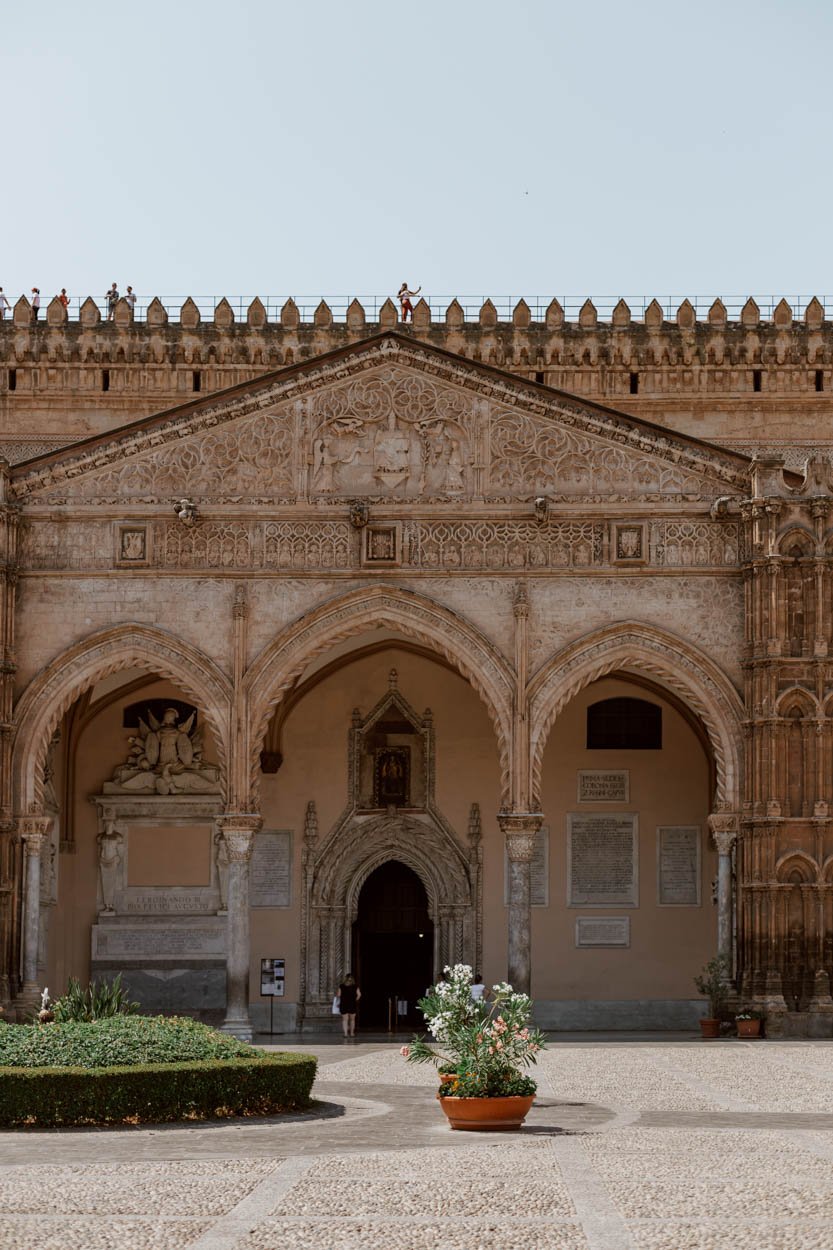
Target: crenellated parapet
column 748, row 380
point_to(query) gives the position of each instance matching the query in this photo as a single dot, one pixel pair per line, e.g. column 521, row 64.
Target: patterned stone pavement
column 662, row 1144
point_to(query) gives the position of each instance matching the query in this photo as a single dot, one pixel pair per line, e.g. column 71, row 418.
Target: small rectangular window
column 634, row 384
column 819, row 379
column 105, row 379
column 756, row 379
column 13, row 379
column 539, row 376
column 196, row 380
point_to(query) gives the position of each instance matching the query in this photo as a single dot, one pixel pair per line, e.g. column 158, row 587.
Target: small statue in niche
column 110, row 856
column 392, row 769
column 166, row 758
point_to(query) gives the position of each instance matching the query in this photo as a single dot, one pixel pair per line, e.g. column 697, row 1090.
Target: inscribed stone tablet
column 678, row 866
column 603, row 931
column 598, row 786
column 147, row 943
column 539, row 871
column 602, row 859
column 271, row 869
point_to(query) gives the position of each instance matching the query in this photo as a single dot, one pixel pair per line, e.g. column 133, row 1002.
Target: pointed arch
column 796, row 863
column 470, row 653
column 797, row 697
column 669, row 661
column 55, row 689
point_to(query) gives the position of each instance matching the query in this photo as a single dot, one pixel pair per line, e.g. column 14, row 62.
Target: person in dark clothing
column 348, row 1000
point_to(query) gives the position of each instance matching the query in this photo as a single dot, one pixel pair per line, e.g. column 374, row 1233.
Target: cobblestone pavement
column 660, row 1144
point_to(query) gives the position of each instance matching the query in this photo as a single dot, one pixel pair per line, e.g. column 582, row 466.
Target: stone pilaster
column 34, row 832
column 238, row 831
column 519, row 830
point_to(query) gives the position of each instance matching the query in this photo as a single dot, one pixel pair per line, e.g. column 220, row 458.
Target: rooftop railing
column 504, row 305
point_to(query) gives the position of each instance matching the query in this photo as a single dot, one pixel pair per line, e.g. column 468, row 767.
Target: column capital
column 238, row 830
column 34, row 830
column 519, row 830
column 723, row 827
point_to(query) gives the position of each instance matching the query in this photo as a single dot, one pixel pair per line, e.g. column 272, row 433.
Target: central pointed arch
column 51, row 693
column 670, row 661
column 280, row 665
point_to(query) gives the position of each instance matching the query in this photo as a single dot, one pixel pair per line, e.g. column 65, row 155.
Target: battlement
column 754, row 375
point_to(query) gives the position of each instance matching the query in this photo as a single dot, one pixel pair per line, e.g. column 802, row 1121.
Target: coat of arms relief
column 395, row 433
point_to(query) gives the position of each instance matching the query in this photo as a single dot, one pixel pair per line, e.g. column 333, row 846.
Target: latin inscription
column 167, row 902
column 602, row 859
column 270, row 877
column 144, row 942
column 678, row 866
column 596, row 786
column 603, row 931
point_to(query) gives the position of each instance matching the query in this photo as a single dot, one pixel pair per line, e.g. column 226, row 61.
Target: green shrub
column 116, row 1041
column 98, row 1001
column 49, row 1097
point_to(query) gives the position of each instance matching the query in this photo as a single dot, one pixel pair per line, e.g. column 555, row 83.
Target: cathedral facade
column 346, row 645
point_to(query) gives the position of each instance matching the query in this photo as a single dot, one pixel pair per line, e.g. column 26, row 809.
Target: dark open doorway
column 393, row 946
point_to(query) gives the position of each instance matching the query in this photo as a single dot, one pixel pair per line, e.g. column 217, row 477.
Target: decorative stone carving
column 166, row 758
column 499, row 545
column 390, row 420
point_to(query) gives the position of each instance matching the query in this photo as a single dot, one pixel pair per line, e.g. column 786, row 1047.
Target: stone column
column 238, row 831
column 519, row 830
column 724, row 830
column 34, row 831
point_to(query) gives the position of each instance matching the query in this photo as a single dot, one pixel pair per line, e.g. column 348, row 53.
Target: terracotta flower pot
column 748, row 1028
column 709, row 1028
column 487, row 1114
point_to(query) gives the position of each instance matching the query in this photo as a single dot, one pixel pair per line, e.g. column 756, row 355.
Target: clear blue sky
column 473, row 146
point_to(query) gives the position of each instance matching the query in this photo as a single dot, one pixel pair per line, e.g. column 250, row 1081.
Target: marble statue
column 165, row 758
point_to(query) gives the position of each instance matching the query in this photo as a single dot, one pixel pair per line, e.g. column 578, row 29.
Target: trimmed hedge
column 49, row 1097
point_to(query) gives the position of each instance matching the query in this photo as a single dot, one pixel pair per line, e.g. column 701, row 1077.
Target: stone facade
column 357, row 502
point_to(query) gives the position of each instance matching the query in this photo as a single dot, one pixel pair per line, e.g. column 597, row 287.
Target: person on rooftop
column 112, row 300
column 405, row 296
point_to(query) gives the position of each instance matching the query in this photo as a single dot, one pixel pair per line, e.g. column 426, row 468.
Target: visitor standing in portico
column 348, row 1000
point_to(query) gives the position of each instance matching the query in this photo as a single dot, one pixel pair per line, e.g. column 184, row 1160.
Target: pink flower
column 498, row 1045
column 404, row 1051
column 480, row 1037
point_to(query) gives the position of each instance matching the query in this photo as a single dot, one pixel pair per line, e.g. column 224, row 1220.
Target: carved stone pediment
column 383, row 420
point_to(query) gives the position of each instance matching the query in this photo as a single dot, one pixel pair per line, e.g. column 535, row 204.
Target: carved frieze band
column 499, row 545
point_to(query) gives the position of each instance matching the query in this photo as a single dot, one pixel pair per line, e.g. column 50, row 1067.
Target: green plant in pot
column 712, row 983
column 480, row 1047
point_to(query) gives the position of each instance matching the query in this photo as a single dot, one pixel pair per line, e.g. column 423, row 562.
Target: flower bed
column 115, row 1041
column 137, row 1069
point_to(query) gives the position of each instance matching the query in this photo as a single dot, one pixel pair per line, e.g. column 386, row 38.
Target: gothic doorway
column 393, row 946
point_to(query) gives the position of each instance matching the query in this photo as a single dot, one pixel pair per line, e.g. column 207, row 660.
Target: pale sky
column 474, row 147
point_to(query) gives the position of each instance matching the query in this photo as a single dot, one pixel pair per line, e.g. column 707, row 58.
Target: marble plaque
column 147, row 943
column 678, row 866
column 539, row 871
column 600, row 786
column 603, row 931
column 270, row 876
column 602, row 859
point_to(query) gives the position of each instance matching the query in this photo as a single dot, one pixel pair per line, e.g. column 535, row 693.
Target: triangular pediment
column 387, row 419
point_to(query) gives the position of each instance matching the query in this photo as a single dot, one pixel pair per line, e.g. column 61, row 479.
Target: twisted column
column 34, row 832
column 724, row 831
column 519, row 830
column 238, row 831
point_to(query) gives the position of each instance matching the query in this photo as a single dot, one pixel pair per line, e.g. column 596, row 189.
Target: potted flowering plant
column 480, row 1048
column 748, row 1023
